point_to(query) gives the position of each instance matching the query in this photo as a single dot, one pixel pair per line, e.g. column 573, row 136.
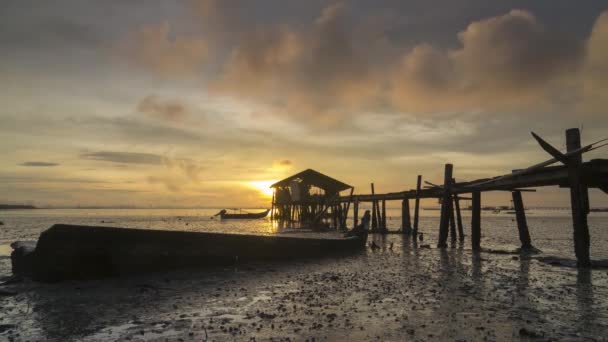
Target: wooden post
column 522, row 225
column 378, row 214
column 445, row 207
column 452, row 221
column 272, row 207
column 579, row 199
column 334, row 216
column 406, row 224
column 383, row 215
column 459, row 218
column 356, row 213
column 417, row 206
column 476, row 221
column 347, row 207
column 374, row 217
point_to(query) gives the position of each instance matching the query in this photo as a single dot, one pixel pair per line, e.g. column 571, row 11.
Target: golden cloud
column 322, row 74
column 317, row 76
column 510, row 62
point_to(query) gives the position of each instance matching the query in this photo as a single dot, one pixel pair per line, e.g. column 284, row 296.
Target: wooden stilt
column 384, row 215
column 579, row 200
column 522, row 225
column 452, row 221
column 406, row 224
column 417, row 206
column 374, row 217
column 272, row 207
column 445, row 207
column 459, row 218
column 378, row 214
column 347, row 207
column 356, row 214
column 476, row 221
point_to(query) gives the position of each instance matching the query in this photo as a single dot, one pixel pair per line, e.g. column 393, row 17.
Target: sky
column 204, row 103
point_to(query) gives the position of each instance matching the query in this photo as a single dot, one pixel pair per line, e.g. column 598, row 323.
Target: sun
column 263, row 187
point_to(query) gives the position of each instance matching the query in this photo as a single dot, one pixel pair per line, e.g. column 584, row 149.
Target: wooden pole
column 350, row 199
column 378, row 215
column 406, row 224
column 445, row 207
column 336, row 216
column 272, row 207
column 452, row 221
column 459, row 217
column 476, row 221
column 522, row 225
column 417, row 206
column 579, row 200
column 356, row 213
column 374, row 217
column 384, row 215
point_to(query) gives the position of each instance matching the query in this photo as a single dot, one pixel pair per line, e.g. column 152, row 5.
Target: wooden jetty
column 572, row 172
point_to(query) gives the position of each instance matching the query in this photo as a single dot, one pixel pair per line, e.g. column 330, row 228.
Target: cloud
column 342, row 63
column 38, row 164
column 594, row 78
column 189, row 168
column 179, row 173
column 316, row 76
column 170, row 110
column 508, row 62
column 124, row 157
column 168, row 54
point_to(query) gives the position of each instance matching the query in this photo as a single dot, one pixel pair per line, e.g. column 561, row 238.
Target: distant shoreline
column 15, row 206
column 8, row 207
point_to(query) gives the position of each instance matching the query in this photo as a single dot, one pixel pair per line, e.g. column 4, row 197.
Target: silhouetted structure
column 574, row 174
column 311, row 199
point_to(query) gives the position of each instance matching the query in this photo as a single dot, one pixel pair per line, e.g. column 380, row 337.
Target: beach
column 399, row 291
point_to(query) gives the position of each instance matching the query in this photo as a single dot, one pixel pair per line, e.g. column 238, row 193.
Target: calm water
column 551, row 230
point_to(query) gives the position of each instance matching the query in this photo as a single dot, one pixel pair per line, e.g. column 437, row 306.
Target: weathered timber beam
column 417, row 206
column 522, row 224
column 555, row 153
column 446, row 207
column 476, row 222
column 594, row 175
column 579, row 200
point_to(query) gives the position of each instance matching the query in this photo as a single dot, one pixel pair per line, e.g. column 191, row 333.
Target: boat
column 224, row 215
column 73, row 251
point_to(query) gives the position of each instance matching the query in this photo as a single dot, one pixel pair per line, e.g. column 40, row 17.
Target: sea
column 551, row 230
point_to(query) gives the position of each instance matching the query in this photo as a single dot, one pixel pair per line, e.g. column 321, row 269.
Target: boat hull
column 247, row 216
column 69, row 251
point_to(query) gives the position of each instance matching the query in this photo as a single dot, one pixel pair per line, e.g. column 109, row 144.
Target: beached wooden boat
column 70, row 251
column 225, row 215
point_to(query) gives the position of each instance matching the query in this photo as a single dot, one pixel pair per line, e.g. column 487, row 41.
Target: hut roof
column 315, row 178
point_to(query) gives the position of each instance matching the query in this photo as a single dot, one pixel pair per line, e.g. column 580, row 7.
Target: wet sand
column 399, row 294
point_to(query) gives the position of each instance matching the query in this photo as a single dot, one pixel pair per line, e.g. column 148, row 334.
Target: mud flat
column 389, row 294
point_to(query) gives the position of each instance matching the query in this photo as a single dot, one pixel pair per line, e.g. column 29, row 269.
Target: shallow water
column 551, row 230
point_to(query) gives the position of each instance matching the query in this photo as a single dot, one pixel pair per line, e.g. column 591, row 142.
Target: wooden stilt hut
column 311, row 199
